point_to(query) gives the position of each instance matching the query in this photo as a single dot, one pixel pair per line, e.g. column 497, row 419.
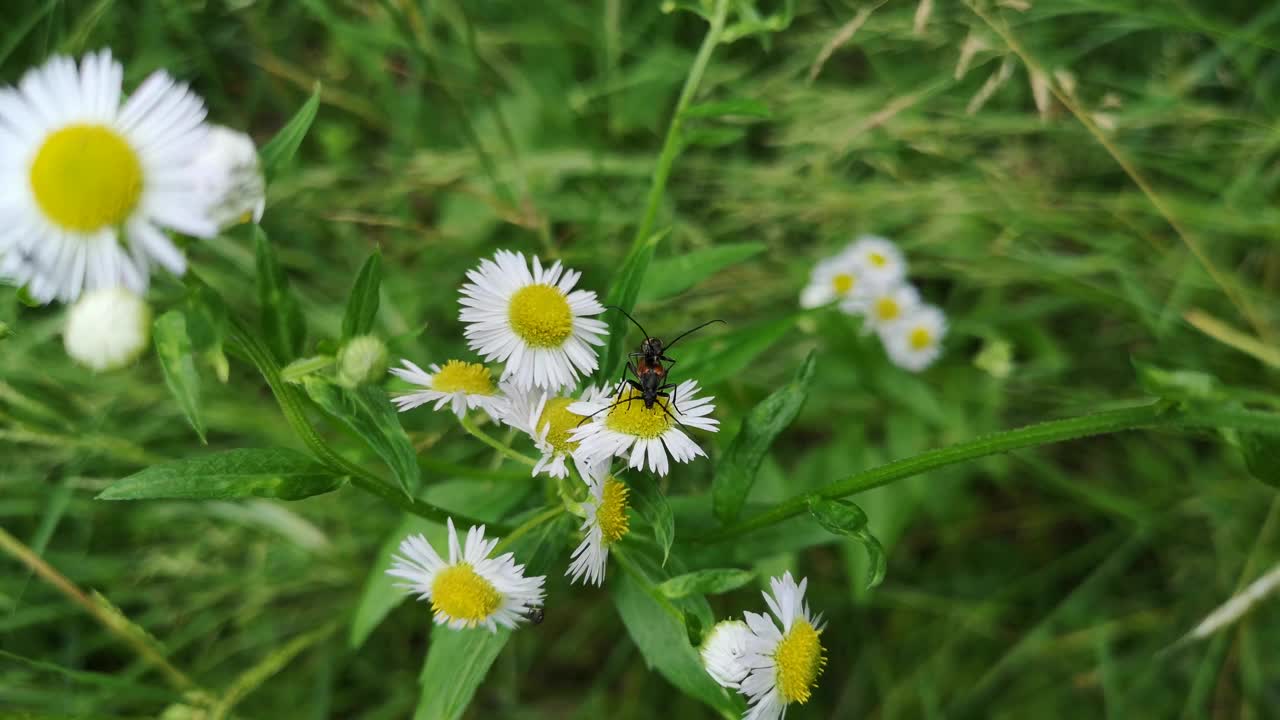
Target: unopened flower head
column 883, row 306
column 462, row 385
column 838, row 278
column 107, row 329
column 363, row 359
column 606, row 524
column 532, row 320
column 723, row 650
column 230, row 176
column 622, row 425
column 784, row 657
column 915, row 341
column 469, row 589
column 881, row 261
column 546, row 418
column 89, row 181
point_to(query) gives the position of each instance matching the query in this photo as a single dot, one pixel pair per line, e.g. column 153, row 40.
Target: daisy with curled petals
column 89, row 183
column 622, row 425
column 883, row 306
column 470, row 589
column 723, row 650
column 783, row 658
column 545, row 417
column 532, row 320
column 606, row 524
column 915, row 341
column 462, row 385
column 881, row 261
column 838, row 278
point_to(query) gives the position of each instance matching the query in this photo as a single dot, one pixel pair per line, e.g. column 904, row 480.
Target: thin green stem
column 470, row 426
column 1162, row 414
column 528, row 526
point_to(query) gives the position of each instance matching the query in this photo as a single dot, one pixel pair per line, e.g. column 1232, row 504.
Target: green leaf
column 712, row 137
column 207, row 323
column 623, row 292
column 269, row 473
column 651, row 504
column 706, row 582
column 715, row 358
column 366, row 411
column 282, row 323
column 661, row 631
column 736, row 471
column 458, row 660
column 173, row 347
column 1262, row 457
column 1177, row 384
column 362, row 305
column 281, row 148
column 737, row 108
column 670, row 276
column 844, row 518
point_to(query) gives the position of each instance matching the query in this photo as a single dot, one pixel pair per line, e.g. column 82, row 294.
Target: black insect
column 535, row 615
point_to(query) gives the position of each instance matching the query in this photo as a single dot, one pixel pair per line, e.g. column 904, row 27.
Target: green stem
column 1160, row 413
column 291, row 405
column 470, row 426
column 528, row 526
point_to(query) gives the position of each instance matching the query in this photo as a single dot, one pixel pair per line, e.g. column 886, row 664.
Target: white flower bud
column 722, row 652
column 107, row 329
column 230, row 176
column 363, row 359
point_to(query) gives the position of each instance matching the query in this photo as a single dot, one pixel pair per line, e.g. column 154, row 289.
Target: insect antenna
column 610, row 407
column 688, row 332
column 624, row 312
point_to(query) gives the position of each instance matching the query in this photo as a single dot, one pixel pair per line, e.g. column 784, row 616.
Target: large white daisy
column 546, row 418
column 606, row 524
column 532, row 320
column 915, row 341
column 784, row 659
column 622, row 425
column 470, row 589
column 88, row 183
column 461, row 385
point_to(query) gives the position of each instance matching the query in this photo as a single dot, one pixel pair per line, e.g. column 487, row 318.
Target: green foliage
column 268, row 473
column 649, row 501
column 366, row 411
column 280, row 149
column 847, row 519
column 362, row 304
column 173, row 347
column 283, row 325
column 671, row 276
column 624, row 289
column 705, row 582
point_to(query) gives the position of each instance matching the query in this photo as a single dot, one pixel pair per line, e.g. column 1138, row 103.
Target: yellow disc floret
column 458, row 376
column 611, row 516
column 842, row 283
column 560, row 423
column 887, row 309
column 540, row 315
column 920, row 338
column 877, row 259
column 459, row 592
column 799, row 661
column 631, row 417
column 86, row 178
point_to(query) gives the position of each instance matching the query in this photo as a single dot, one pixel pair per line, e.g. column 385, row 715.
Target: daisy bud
column 362, row 360
column 107, row 329
column 723, row 650
column 230, row 177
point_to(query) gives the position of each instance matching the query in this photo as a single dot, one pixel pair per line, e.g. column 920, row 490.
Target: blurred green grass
column 1041, row 584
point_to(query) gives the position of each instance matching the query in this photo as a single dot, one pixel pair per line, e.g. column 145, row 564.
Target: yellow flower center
column 540, row 315
column 842, row 283
column 877, row 259
column 799, row 661
column 920, row 338
column 460, row 593
column 86, row 177
column 458, row 376
column 631, row 417
column 611, row 516
column 562, row 422
column 887, row 309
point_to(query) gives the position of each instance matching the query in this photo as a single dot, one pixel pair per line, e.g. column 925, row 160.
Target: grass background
column 1045, row 583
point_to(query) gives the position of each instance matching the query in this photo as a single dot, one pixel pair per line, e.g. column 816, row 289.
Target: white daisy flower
column 835, row 278
column 89, row 183
column 534, row 321
column 915, row 341
column 605, row 525
column 881, row 261
column 471, row 589
column 723, row 650
column 107, row 329
column 784, row 659
column 883, row 306
column 230, row 177
column 463, row 385
column 545, row 417
column 622, row 425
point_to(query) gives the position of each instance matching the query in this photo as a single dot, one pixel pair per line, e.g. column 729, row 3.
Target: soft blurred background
column 1045, row 583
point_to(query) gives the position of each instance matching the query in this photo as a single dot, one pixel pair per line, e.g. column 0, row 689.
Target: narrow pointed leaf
column 651, row 504
column 706, row 582
column 362, row 305
column 624, row 289
column 366, row 411
column 173, row 347
column 844, row 518
column 280, row 149
column 282, row 323
column 670, row 276
column 270, row 473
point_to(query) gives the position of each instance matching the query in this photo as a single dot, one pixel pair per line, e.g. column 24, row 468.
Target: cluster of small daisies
column 868, row 279
column 92, row 184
